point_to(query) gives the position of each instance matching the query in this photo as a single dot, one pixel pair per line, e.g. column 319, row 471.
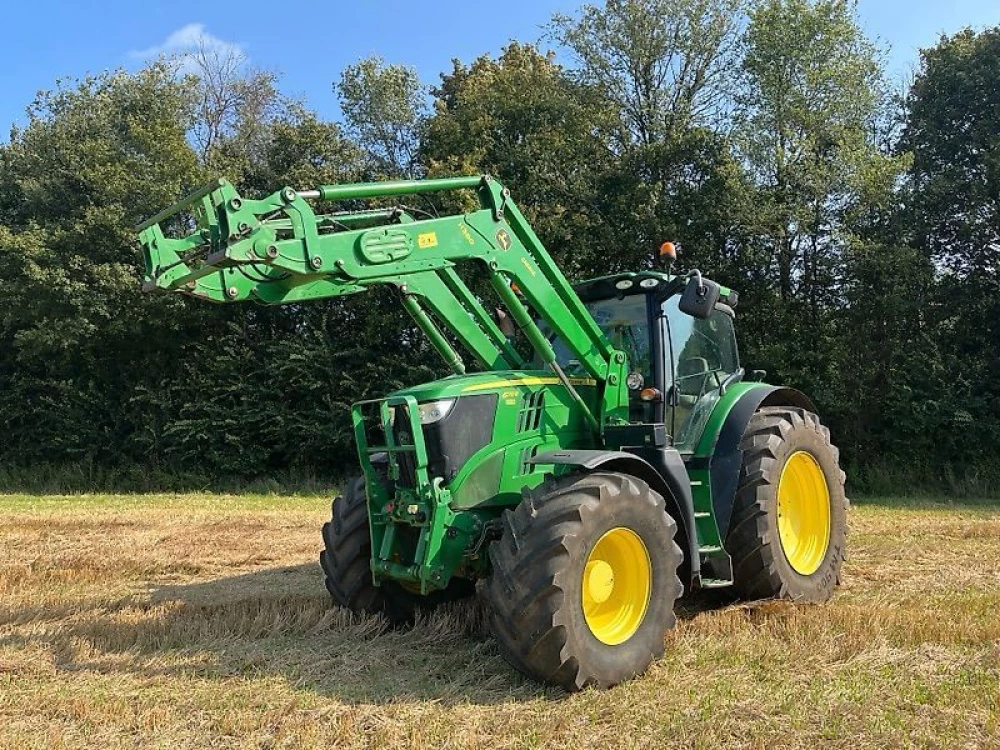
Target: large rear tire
column 789, row 525
column 346, row 563
column 584, row 580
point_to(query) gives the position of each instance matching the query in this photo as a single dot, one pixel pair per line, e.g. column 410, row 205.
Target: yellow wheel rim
column 803, row 513
column 617, row 581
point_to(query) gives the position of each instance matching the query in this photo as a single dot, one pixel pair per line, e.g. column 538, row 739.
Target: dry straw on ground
column 201, row 621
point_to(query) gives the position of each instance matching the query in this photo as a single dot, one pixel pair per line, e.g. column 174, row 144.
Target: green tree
column 303, row 151
column 953, row 212
column 520, row 118
column 665, row 64
column 94, row 371
column 664, row 72
column 951, row 130
column 74, row 332
column 233, row 108
column 811, row 101
column 384, row 108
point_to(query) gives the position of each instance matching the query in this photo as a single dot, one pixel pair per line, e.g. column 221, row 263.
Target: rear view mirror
column 699, row 298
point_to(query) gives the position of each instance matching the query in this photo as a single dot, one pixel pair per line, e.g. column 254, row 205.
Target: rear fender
column 726, row 458
column 669, row 478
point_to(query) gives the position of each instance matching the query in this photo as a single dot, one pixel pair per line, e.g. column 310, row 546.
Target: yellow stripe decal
column 514, row 382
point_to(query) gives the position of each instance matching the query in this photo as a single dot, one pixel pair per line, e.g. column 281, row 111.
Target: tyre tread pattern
column 347, row 550
column 526, row 591
column 757, row 576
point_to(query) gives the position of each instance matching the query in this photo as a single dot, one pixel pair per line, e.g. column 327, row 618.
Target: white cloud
column 186, row 40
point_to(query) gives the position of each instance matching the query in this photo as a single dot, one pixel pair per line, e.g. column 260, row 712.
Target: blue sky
column 309, row 43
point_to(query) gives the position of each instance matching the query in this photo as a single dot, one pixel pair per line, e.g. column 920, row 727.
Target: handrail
column 352, row 191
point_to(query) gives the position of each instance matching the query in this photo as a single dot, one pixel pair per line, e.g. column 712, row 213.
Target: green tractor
column 606, row 453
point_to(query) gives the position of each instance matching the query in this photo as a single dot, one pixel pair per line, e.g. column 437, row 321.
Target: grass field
column 201, row 620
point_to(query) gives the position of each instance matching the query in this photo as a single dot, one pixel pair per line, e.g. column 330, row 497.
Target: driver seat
column 688, row 389
column 688, row 382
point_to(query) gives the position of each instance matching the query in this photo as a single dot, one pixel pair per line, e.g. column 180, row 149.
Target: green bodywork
column 427, row 528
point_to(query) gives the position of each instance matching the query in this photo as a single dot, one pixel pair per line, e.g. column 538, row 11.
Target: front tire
column 346, row 563
column 584, row 580
column 789, row 526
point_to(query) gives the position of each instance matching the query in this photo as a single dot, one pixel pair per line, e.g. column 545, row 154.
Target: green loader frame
column 602, row 453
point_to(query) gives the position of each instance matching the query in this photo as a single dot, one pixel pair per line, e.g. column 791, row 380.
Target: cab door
column 700, row 354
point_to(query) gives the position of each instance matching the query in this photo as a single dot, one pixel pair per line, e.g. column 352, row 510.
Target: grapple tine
column 172, row 263
column 175, row 209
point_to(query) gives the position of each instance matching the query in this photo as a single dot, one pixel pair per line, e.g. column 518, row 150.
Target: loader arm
column 278, row 250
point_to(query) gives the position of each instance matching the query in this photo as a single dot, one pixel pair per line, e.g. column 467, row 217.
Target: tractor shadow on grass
column 705, row 600
column 278, row 622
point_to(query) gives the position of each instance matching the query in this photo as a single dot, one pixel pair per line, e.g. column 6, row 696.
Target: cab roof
column 604, row 287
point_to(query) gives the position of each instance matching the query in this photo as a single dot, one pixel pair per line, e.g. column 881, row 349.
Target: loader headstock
column 219, row 246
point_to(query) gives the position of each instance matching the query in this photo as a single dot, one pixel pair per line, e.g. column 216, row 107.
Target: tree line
column 860, row 224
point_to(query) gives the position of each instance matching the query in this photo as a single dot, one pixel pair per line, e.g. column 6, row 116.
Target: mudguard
column 727, row 458
column 668, row 477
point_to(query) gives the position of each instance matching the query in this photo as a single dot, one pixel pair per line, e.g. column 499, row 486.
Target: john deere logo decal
column 504, row 239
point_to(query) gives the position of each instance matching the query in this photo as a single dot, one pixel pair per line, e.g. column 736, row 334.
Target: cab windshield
column 626, row 324
column 703, row 354
column 625, row 321
column 700, row 355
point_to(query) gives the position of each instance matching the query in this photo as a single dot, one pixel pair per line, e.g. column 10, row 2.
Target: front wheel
column 584, row 580
column 789, row 524
column 346, row 563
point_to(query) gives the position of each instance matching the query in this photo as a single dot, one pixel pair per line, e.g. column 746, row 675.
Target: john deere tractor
column 604, row 453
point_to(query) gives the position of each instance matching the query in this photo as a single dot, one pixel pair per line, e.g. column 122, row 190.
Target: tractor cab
column 679, row 364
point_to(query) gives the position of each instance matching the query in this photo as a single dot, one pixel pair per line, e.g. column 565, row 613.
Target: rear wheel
column 346, row 563
column 584, row 580
column 789, row 525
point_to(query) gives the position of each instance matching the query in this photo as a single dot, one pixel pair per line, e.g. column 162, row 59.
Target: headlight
column 435, row 411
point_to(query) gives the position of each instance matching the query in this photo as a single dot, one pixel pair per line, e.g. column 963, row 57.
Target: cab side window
column 703, row 354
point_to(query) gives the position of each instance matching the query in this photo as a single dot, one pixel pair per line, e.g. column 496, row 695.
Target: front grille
column 401, row 436
column 451, row 441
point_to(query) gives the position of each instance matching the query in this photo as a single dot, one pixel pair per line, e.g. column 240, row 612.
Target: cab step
column 716, row 565
column 714, row 583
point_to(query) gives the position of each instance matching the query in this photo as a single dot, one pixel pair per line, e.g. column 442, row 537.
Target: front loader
column 604, row 453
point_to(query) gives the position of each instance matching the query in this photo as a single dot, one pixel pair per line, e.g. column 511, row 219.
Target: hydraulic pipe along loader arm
column 585, row 486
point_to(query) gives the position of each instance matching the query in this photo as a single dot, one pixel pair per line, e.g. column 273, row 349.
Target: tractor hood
column 486, row 382
column 479, row 430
